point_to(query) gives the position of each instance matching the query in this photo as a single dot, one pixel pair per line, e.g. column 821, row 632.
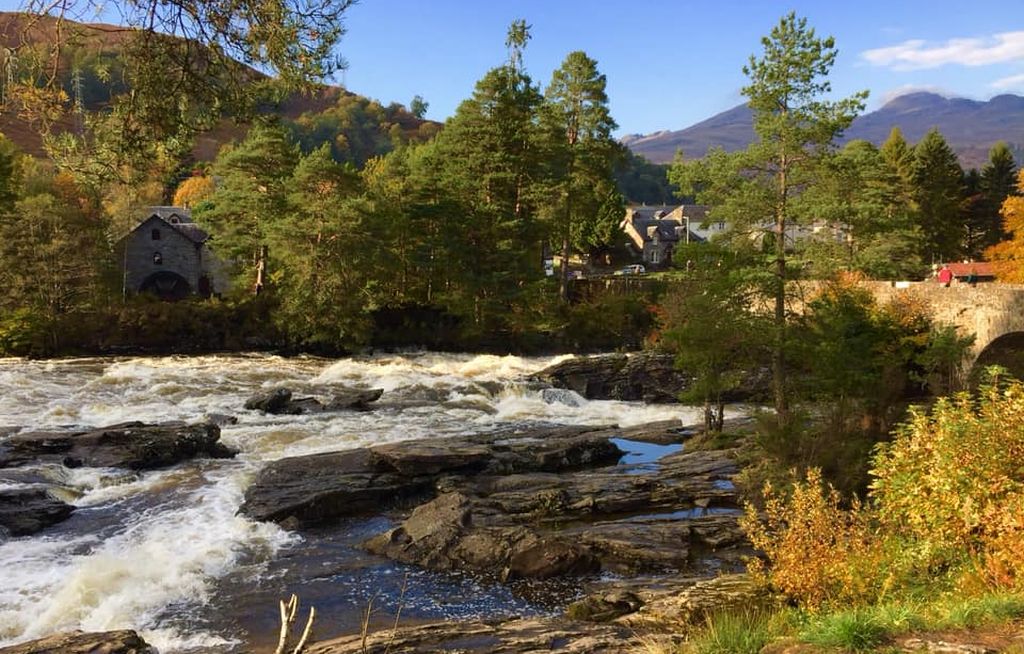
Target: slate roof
column 179, row 219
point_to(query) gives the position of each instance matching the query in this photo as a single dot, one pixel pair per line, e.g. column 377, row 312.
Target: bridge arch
column 166, row 285
column 992, row 312
column 1006, row 350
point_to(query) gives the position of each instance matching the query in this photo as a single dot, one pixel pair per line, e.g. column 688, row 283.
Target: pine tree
column 998, row 181
column 253, row 184
column 939, row 192
column 585, row 204
column 765, row 184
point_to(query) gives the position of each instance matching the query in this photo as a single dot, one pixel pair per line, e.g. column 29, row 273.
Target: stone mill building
column 168, row 255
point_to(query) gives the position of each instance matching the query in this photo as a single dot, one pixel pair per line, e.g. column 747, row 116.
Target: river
column 165, row 553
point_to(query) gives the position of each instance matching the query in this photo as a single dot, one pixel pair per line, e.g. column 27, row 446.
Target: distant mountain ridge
column 971, row 127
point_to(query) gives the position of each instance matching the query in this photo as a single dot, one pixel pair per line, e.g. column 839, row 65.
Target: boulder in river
column 639, row 377
column 77, row 642
column 644, row 376
column 279, row 401
column 132, row 445
column 25, row 511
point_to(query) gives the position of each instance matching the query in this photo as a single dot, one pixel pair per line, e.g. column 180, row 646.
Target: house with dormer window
column 168, row 255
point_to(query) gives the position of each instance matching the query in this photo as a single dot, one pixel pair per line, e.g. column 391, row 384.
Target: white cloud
column 917, row 54
column 1012, row 82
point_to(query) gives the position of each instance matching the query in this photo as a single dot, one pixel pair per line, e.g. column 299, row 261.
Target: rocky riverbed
column 589, row 530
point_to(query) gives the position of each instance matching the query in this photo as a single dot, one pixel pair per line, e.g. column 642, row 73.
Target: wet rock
column 279, row 401
column 314, row 490
column 25, row 511
column 220, row 419
column 539, row 525
column 273, row 401
column 110, row 642
column 440, row 535
column 603, row 607
column 132, row 445
column 517, row 636
column 643, row 376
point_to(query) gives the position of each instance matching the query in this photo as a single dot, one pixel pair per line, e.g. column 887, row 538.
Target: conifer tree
column 585, row 204
column 939, row 192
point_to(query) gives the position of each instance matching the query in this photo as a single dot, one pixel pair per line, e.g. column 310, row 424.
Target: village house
column 167, row 255
column 655, row 232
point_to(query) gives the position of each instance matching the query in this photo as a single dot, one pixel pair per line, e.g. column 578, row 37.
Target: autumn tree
column 796, row 126
column 194, row 190
column 1008, row 256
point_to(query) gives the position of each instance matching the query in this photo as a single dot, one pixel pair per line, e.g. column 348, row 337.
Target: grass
column 860, row 629
column 735, row 632
column 964, row 613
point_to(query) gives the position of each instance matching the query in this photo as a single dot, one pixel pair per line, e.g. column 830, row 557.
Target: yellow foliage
column 1008, row 257
column 947, row 502
column 820, row 554
column 193, row 190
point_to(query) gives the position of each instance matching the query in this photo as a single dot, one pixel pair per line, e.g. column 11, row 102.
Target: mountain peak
column 971, row 127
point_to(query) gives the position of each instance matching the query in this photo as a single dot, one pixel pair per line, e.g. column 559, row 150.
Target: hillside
column 95, row 46
column 971, row 127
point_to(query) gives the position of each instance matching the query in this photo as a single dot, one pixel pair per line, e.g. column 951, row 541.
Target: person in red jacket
column 945, row 276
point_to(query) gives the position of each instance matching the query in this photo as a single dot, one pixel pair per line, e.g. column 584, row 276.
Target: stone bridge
column 994, row 313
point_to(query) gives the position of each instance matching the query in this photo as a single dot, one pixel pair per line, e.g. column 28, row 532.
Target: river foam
column 145, row 549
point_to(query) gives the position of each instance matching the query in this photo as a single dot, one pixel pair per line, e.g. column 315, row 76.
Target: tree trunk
column 778, row 354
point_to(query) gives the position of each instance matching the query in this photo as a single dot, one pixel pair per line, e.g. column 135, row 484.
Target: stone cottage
column 167, row 255
column 654, row 232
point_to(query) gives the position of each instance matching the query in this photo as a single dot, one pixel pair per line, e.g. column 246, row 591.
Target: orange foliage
column 1008, row 257
column 820, row 554
column 193, row 191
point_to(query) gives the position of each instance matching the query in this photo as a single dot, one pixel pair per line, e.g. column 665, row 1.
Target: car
column 633, row 269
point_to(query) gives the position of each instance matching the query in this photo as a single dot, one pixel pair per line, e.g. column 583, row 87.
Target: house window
column 156, row 234
column 654, row 256
column 158, row 259
column 721, row 226
column 174, row 220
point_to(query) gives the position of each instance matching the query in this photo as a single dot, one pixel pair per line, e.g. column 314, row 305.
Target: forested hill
column 91, row 73
column 971, row 128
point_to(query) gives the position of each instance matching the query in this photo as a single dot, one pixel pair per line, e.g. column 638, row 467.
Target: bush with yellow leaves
column 819, row 553
column 946, row 505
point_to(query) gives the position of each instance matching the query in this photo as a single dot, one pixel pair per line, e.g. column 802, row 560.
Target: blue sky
column 671, row 64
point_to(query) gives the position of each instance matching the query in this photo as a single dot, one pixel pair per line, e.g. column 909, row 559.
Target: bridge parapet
column 987, row 310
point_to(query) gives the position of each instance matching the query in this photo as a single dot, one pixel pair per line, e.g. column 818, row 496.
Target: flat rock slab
column 542, row 525
column 524, row 636
column 110, row 642
column 279, row 401
column 25, row 511
column 133, row 445
column 317, row 489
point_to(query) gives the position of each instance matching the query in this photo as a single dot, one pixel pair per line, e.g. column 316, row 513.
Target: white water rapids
column 142, row 550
